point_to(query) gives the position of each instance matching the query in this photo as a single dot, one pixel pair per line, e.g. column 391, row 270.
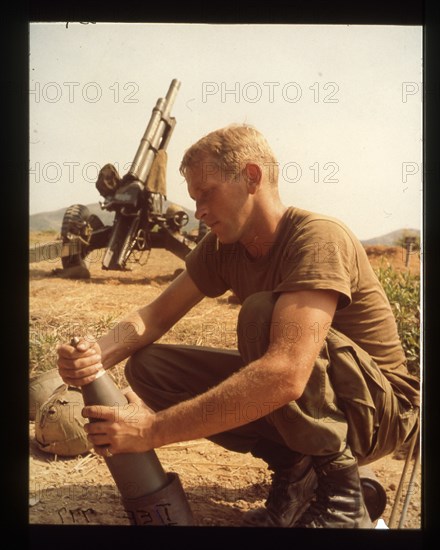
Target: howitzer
column 141, row 220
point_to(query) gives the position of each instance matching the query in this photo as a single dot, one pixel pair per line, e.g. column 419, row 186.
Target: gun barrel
column 151, row 140
column 171, row 96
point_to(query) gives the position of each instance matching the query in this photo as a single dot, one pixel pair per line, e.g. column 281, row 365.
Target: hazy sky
column 341, row 107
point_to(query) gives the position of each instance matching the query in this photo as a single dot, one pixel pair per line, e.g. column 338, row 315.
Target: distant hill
column 393, row 238
column 47, row 221
column 51, row 221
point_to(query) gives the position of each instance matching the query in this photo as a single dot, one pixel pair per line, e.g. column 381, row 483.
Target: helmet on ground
column 59, row 428
column 41, row 388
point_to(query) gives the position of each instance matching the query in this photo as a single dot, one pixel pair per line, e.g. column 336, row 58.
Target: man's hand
column 79, row 365
column 126, row 429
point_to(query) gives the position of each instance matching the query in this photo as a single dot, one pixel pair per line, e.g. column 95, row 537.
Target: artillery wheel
column 78, row 222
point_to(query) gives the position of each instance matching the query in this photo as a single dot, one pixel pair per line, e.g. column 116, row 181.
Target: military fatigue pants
column 347, row 398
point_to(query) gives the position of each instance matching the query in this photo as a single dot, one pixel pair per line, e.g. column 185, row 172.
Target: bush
column 403, row 291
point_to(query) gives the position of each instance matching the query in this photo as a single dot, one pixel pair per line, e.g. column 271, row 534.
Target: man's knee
column 142, row 367
column 254, row 325
column 132, row 371
column 150, row 374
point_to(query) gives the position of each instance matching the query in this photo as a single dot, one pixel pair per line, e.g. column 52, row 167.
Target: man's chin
column 223, row 237
column 225, row 240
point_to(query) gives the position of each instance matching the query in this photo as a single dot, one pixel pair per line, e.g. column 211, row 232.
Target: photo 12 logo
column 270, row 92
column 411, row 90
column 69, row 171
column 90, row 92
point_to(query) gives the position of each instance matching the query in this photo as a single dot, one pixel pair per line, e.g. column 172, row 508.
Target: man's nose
column 201, row 211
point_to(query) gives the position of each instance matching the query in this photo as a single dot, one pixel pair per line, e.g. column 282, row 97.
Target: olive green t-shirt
column 310, row 251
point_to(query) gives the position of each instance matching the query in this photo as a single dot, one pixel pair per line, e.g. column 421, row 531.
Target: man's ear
column 252, row 174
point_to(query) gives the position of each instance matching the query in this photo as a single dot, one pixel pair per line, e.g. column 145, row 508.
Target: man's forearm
column 148, row 324
column 132, row 333
column 251, row 393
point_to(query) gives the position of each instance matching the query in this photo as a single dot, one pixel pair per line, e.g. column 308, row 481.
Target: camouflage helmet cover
column 59, row 428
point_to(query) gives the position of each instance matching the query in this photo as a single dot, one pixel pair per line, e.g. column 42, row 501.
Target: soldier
column 318, row 384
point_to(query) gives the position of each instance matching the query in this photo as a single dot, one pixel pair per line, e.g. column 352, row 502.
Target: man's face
column 222, row 200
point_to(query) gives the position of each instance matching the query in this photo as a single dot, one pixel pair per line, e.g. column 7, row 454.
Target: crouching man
column 319, row 357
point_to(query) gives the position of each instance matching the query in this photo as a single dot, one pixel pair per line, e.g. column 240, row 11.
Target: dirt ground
column 220, row 485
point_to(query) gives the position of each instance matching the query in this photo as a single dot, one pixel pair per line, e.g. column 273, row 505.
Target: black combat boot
column 290, row 494
column 339, row 500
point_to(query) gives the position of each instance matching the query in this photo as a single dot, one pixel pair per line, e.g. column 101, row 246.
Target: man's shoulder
column 306, row 219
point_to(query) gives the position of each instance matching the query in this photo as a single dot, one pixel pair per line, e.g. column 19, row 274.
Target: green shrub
column 403, row 291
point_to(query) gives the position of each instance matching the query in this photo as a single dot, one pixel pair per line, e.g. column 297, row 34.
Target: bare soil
column 220, row 485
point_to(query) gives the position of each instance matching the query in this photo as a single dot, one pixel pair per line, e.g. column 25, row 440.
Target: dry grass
column 62, row 308
column 220, row 485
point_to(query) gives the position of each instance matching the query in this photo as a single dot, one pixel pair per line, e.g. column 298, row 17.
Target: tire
column 77, row 221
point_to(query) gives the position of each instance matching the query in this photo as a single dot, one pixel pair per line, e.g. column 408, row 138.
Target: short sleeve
column 203, row 265
column 323, row 257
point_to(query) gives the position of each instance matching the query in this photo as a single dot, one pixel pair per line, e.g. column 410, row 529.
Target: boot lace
column 320, row 506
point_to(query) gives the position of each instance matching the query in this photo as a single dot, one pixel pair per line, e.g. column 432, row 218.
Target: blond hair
column 231, row 148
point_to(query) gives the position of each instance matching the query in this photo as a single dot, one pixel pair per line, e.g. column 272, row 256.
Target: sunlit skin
column 239, row 208
column 245, row 210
